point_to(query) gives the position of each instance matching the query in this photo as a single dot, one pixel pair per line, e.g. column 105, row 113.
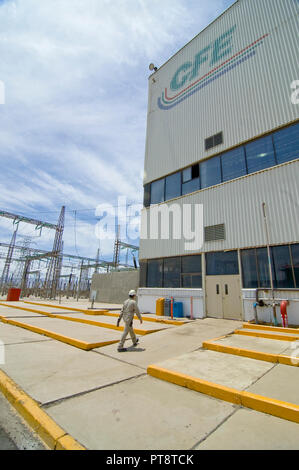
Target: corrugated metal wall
column 251, row 96
column 238, row 204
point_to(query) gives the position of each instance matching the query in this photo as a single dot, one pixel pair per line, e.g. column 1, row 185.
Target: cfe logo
column 188, row 80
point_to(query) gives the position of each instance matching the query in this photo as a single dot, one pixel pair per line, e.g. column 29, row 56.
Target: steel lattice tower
column 5, row 273
column 53, row 272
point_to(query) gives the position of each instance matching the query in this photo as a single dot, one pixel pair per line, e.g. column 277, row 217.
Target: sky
column 73, row 124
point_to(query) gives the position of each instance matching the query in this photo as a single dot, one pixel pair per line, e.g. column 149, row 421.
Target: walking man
column 128, row 310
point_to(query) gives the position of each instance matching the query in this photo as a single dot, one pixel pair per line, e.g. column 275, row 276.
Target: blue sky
column 74, row 120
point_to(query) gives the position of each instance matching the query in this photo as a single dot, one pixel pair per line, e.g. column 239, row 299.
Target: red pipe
column 284, row 313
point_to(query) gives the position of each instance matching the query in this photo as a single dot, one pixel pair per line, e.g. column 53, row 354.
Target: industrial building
column 223, row 136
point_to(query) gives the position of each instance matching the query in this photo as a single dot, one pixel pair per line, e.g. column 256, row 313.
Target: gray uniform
column 129, row 309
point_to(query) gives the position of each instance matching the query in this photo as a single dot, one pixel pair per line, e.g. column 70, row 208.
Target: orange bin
column 13, row 294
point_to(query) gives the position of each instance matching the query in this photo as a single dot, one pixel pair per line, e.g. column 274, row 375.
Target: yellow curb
column 75, row 309
column 80, row 320
column 280, row 409
column 266, row 335
column 107, row 313
column 252, row 354
column 64, row 339
column 272, row 328
column 38, row 420
column 199, row 385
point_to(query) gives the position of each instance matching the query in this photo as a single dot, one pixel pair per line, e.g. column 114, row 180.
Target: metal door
column 223, row 297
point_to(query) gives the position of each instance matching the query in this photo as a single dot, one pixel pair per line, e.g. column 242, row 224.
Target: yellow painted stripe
column 74, row 309
column 52, row 434
column 295, row 331
column 80, row 320
column 280, row 409
column 266, row 335
column 199, row 385
column 252, row 354
column 62, row 338
column 108, row 313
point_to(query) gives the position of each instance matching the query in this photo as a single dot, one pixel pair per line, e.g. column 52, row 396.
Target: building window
column 222, row 263
column 284, row 265
column 172, row 272
column 190, row 179
column 249, row 269
column 147, row 195
column 154, row 273
column 157, row 191
column 263, row 267
column 210, row 172
column 191, row 272
column 233, row 164
column 295, row 262
column 173, row 186
column 280, row 147
column 142, row 274
column 286, row 143
column 283, row 272
column 260, row 154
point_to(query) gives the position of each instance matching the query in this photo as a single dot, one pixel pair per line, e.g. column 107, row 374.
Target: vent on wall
column 213, row 141
column 215, row 232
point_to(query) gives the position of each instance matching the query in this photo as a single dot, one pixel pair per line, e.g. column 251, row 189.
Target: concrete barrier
column 114, row 287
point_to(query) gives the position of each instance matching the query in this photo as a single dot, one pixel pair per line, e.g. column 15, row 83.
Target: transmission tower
column 5, row 273
column 24, row 252
column 53, row 272
column 116, row 250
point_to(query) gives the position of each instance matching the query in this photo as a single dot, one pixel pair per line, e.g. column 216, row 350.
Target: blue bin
column 178, row 309
column 167, row 307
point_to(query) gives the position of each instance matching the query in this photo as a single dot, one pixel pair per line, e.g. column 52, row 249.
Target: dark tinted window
column 263, row 267
column 187, row 174
column 286, row 143
column 154, row 273
column 157, row 191
column 283, row 272
column 192, row 281
column 173, row 186
column 142, row 273
column 172, row 272
column 191, row 272
column 191, row 264
column 190, row 186
column 233, row 164
column 295, row 257
column 210, row 172
column 260, row 154
column 222, row 263
column 147, row 195
column 249, row 269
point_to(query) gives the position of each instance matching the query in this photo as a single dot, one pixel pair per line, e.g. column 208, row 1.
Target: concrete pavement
column 106, row 399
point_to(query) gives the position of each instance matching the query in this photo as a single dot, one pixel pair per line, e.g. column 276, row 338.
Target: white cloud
column 75, row 74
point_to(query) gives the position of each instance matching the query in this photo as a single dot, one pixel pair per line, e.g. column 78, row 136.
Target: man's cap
column 131, row 293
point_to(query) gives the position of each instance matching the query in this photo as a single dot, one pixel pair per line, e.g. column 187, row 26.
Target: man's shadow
column 134, row 349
